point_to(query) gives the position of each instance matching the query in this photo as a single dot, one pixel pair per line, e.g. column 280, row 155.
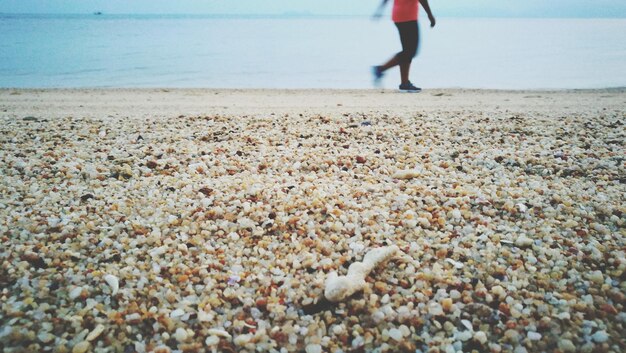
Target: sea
column 67, row 51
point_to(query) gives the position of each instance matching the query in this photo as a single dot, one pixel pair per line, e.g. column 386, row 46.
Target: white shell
column 113, row 282
column 339, row 288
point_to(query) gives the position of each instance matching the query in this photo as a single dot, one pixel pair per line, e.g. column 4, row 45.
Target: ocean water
column 305, row 52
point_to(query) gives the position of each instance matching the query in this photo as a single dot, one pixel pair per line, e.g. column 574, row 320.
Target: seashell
column 95, row 332
column 338, row 288
column 218, row 332
column 113, row 282
column 406, row 174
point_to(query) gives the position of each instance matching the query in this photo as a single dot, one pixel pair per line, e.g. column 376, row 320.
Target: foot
column 378, row 75
column 409, row 87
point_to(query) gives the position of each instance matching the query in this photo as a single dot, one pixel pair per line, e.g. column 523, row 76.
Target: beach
column 209, row 220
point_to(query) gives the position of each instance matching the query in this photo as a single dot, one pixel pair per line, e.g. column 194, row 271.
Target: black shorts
column 409, row 37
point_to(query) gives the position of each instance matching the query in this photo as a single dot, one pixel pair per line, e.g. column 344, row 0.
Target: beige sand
column 174, row 102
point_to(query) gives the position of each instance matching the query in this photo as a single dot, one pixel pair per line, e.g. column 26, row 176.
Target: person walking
column 404, row 15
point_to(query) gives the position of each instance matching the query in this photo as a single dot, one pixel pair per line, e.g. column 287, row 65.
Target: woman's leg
column 409, row 37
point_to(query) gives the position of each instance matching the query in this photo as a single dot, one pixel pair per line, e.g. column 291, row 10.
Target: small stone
column 480, row 337
column 45, row 337
column 313, row 348
column 609, row 309
column 446, row 304
column 406, row 174
column 95, row 333
column 596, row 277
column 512, row 335
column 395, row 334
column 212, row 340
column 468, row 325
column 464, row 335
column 177, row 313
column 435, row 309
column 520, row 349
column 162, row 349
column 498, row 291
column 339, row 329
column 523, row 241
column 113, row 282
column 81, row 347
column 360, row 159
column 133, row 318
column 600, row 337
column 181, row 334
column 533, row 336
column 261, row 303
column 242, row 340
column 219, row 333
column 86, row 197
column 566, row 345
column 75, row 293
column 204, row 316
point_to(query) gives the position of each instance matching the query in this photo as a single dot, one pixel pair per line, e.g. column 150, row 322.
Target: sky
column 454, row 8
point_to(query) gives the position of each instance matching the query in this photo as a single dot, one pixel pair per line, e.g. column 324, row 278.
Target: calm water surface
column 204, row 51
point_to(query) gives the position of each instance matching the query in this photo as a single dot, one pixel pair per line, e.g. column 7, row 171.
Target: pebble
column 600, row 337
column 446, row 304
column 339, row 329
column 218, row 332
column 498, row 291
column 313, row 348
column 45, row 337
column 242, row 340
column 406, row 174
column 395, row 334
column 512, row 335
column 181, row 334
column 113, row 282
column 95, row 332
column 523, row 241
column 481, row 337
column 596, row 277
column 533, row 336
column 177, row 313
column 212, row 340
column 81, row 347
column 566, row 345
column 464, row 335
column 75, row 293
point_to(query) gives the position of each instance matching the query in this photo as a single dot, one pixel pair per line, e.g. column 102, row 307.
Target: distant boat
column 97, row 13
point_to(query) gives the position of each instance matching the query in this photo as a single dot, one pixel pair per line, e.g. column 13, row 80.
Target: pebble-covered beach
column 216, row 231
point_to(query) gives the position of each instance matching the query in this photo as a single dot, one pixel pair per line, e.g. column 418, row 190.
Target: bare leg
column 404, row 72
column 389, row 64
column 404, row 68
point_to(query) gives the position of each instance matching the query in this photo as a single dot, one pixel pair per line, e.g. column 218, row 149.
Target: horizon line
column 295, row 14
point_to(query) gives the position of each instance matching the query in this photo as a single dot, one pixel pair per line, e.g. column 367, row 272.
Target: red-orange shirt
column 405, row 10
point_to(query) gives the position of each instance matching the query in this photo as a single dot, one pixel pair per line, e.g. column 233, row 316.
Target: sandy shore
column 210, row 220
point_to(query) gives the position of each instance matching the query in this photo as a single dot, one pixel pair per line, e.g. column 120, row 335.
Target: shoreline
column 169, row 102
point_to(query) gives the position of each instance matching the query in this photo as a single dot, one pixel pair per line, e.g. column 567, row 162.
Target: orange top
column 405, row 10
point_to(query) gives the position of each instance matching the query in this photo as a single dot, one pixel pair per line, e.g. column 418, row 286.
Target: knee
column 411, row 52
column 407, row 55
